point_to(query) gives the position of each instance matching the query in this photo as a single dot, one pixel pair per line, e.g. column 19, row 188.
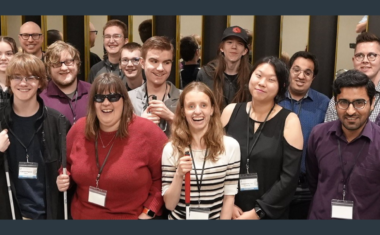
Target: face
column 370, row 68
column 24, row 91
column 92, row 35
column 130, row 70
column 112, row 44
column 353, row 119
column 157, row 66
column 198, row 111
column 109, row 114
column 6, row 55
column 301, row 82
column 65, row 75
column 31, row 46
column 263, row 84
column 233, row 49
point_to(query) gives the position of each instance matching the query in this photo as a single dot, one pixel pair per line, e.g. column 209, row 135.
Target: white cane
column 63, row 155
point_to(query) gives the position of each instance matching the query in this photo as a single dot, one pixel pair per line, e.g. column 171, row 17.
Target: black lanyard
column 258, row 135
column 199, row 182
column 345, row 178
column 73, row 111
column 299, row 109
column 30, row 141
column 147, row 97
column 110, row 70
column 100, row 169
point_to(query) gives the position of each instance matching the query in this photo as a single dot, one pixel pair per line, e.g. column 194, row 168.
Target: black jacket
column 49, row 137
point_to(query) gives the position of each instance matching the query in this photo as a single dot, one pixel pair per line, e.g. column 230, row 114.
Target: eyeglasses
column 359, row 57
column 6, row 54
column 99, row 98
column 60, row 63
column 29, row 79
column 114, row 36
column 307, row 73
column 94, row 31
column 26, row 36
column 344, row 104
column 134, row 61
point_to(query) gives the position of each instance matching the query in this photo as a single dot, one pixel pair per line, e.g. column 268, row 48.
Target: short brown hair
column 131, row 46
column 108, row 82
column 27, row 64
column 366, row 37
column 157, row 42
column 118, row 23
column 53, row 54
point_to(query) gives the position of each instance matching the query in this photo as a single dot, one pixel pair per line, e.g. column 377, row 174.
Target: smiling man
column 343, row 158
column 366, row 59
column 157, row 99
column 131, row 66
column 31, row 39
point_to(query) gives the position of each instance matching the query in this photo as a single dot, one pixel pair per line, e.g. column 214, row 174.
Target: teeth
column 106, row 110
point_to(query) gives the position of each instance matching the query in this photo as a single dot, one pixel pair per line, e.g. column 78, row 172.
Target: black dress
column 276, row 163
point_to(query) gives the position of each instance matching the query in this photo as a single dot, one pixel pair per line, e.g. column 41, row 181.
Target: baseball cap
column 237, row 32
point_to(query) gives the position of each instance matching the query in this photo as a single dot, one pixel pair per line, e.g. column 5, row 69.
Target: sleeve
column 312, row 170
column 155, row 201
column 200, row 75
column 277, row 199
column 331, row 114
column 168, row 167
column 233, row 168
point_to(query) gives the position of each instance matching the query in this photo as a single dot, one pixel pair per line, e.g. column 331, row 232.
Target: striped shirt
column 219, row 178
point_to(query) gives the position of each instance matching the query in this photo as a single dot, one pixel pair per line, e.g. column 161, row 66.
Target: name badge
column 248, row 182
column 341, row 209
column 199, row 214
column 97, row 196
column 27, row 170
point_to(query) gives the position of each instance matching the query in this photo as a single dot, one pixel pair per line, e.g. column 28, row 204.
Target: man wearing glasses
column 65, row 92
column 115, row 35
column 310, row 106
column 367, row 60
column 31, row 39
column 94, row 58
column 130, row 65
column 343, row 156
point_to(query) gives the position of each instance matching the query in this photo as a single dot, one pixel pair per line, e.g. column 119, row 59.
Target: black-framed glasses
column 307, row 73
column 60, row 63
column 28, row 79
column 134, row 61
column 114, row 97
column 26, row 36
column 94, row 31
column 344, row 104
column 114, row 36
column 359, row 57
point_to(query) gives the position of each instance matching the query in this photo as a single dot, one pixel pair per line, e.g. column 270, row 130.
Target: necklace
column 104, row 146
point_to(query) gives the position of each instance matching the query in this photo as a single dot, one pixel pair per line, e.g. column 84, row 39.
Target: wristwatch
column 149, row 212
column 259, row 212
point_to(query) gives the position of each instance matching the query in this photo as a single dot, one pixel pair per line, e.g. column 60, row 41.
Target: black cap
column 237, row 32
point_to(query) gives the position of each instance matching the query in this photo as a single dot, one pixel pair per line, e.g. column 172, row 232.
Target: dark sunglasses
column 99, row 98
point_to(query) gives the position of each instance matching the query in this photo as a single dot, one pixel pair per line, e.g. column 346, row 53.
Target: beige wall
column 295, row 30
column 98, row 21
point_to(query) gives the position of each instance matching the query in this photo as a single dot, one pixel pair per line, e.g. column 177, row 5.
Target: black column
column 212, row 31
column 322, row 43
column 266, row 36
column 374, row 24
column 74, row 34
column 35, row 19
column 166, row 26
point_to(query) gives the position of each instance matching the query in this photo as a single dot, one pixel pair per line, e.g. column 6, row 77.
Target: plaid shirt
column 331, row 114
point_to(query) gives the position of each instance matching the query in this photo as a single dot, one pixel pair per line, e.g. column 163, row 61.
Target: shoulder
column 323, row 128
column 320, row 96
column 146, row 128
column 50, row 112
column 132, row 94
column 85, row 84
column 291, row 118
column 227, row 112
column 230, row 142
column 97, row 66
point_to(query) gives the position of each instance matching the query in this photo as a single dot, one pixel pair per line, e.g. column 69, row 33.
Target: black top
column 189, row 74
column 273, row 159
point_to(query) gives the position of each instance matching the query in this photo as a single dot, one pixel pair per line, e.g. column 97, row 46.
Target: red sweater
column 131, row 175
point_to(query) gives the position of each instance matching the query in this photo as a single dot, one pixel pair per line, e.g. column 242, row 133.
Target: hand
column 249, row 215
column 4, row 140
column 63, row 182
column 158, row 108
column 236, row 212
column 144, row 216
column 185, row 165
column 154, row 118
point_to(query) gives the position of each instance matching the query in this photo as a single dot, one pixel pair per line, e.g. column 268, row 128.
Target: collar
column 53, row 90
column 309, row 94
column 336, row 128
column 174, row 92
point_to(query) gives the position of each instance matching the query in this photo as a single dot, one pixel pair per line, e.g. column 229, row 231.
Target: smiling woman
column 114, row 158
column 7, row 50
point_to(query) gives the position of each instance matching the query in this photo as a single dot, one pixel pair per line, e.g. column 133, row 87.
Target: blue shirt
column 311, row 111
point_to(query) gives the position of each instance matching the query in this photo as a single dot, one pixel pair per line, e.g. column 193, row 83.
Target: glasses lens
column 359, row 104
column 68, row 62
column 35, row 36
column 343, row 104
column 99, row 98
column 113, row 97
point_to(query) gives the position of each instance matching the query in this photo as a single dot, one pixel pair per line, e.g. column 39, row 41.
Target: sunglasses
column 99, row 98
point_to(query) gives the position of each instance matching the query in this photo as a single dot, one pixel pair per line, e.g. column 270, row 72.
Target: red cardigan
column 131, row 175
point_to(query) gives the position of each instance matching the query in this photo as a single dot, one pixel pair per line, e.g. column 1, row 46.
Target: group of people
column 242, row 142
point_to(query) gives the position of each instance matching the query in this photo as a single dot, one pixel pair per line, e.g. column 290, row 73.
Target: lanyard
column 345, row 178
column 199, row 182
column 110, row 70
column 100, row 169
column 75, row 107
column 299, row 109
column 30, row 141
column 147, row 97
column 258, row 135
